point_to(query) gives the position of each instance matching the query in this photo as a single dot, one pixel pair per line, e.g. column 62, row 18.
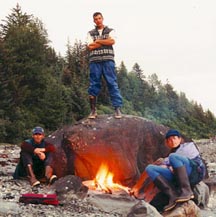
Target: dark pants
column 37, row 164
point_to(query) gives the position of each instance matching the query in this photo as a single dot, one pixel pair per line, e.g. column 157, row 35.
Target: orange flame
column 104, row 180
column 104, row 177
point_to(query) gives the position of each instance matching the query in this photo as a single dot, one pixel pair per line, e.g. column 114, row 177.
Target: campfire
column 104, row 181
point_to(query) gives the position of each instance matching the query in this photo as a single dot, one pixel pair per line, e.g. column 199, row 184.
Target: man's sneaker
column 52, row 179
column 118, row 114
column 93, row 114
column 34, row 182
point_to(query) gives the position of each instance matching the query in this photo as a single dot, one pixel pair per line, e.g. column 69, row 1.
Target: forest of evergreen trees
column 39, row 87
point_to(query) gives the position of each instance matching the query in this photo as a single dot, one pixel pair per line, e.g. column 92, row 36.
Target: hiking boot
column 118, row 114
column 184, row 184
column 167, row 188
column 93, row 114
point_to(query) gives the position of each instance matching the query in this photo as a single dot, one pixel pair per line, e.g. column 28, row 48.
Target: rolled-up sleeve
column 89, row 39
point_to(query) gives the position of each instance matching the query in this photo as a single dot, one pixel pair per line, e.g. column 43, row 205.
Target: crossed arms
column 100, row 42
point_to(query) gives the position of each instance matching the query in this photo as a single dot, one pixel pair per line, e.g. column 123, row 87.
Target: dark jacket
column 27, row 152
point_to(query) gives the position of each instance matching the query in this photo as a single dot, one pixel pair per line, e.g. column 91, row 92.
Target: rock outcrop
column 126, row 145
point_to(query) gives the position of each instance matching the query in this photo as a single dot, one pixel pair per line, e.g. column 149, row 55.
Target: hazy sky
column 176, row 39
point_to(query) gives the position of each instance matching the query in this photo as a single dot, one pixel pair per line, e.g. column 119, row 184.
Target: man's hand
column 42, row 156
column 100, row 42
column 93, row 46
column 159, row 161
column 40, row 153
column 109, row 41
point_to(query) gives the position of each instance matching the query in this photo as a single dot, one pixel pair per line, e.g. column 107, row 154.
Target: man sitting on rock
column 36, row 158
column 183, row 166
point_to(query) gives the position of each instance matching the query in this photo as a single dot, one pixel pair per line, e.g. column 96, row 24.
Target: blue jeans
column 175, row 160
column 107, row 69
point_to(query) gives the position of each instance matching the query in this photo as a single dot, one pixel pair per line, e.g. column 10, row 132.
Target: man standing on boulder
column 100, row 43
column 36, row 159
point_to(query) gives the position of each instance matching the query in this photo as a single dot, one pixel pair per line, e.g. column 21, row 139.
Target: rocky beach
column 78, row 205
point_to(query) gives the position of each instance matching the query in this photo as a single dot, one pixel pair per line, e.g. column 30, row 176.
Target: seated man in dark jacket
column 36, row 158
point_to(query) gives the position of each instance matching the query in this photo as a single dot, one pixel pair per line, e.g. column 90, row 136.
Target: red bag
column 48, row 199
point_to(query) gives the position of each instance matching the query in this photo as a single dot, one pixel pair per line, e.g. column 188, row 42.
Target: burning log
column 104, row 181
column 102, row 187
column 126, row 189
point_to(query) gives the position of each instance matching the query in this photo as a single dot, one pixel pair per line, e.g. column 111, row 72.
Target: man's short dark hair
column 96, row 14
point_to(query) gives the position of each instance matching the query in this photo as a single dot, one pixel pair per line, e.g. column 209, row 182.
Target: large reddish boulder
column 125, row 145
